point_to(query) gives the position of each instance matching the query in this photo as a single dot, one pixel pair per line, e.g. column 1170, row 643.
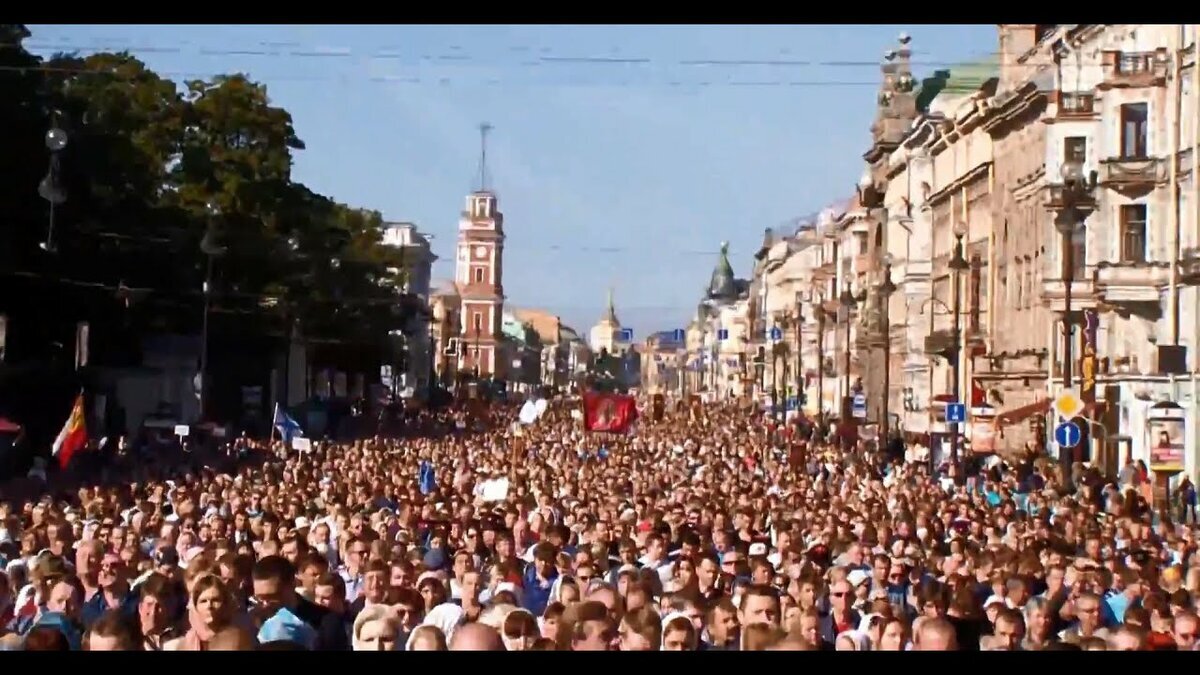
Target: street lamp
column 819, row 310
column 210, row 249
column 1077, row 204
column 848, row 303
column 957, row 264
column 886, row 289
column 799, row 377
column 50, row 189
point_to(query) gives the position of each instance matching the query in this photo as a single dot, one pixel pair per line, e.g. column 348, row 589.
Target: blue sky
column 605, row 137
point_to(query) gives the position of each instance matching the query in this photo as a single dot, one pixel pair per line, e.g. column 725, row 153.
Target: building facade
column 416, row 338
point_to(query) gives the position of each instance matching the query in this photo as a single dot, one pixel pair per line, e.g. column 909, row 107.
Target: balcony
column 1131, row 282
column 1132, row 175
column 1075, row 104
column 1125, row 70
column 1083, row 294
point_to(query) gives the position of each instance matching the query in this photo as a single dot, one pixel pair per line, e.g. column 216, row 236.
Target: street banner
column 611, row 413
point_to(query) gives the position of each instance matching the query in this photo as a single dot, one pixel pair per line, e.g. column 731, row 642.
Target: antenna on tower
column 483, row 134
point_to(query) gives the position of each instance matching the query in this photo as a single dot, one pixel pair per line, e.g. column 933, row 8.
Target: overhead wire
column 457, row 59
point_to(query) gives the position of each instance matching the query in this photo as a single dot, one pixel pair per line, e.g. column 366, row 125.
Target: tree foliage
column 150, row 169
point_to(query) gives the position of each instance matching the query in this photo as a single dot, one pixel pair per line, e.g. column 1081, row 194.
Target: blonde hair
column 381, row 613
column 426, row 631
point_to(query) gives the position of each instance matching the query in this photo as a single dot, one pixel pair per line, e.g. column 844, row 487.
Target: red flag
column 978, row 395
column 73, row 436
column 608, row 412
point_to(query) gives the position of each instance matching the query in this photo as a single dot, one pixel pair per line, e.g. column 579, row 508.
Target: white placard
column 495, row 490
column 182, row 430
column 301, row 444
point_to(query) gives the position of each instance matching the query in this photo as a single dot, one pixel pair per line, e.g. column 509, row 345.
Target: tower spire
column 610, row 314
column 484, row 128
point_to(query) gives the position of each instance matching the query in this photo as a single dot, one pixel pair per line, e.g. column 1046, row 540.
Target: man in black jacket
column 275, row 587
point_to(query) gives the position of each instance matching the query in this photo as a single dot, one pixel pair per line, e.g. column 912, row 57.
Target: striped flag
column 73, row 436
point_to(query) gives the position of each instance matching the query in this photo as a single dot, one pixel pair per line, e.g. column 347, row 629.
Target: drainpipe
column 1173, row 181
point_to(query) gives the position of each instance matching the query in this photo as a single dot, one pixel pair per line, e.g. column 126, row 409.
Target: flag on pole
column 73, row 436
column 287, row 427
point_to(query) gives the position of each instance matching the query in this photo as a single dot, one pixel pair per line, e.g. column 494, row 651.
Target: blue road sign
column 626, row 335
column 956, row 412
column 679, row 335
column 858, row 406
column 776, row 334
column 1067, row 435
column 793, row 404
column 722, row 333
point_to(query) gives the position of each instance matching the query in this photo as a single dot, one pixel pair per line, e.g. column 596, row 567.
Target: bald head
column 937, row 635
column 476, row 637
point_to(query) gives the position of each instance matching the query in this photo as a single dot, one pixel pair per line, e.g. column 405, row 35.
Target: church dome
column 722, row 286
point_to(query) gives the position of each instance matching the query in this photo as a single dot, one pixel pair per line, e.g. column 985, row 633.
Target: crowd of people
column 713, row 528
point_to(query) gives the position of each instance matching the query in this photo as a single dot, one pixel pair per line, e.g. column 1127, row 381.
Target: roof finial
column 483, row 134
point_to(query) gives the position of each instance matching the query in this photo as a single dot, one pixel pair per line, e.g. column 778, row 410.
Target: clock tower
column 479, row 276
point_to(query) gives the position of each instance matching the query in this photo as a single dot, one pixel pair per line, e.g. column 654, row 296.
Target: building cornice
column 958, row 183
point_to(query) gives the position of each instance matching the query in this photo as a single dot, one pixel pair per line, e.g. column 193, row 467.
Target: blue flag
column 288, row 428
column 426, row 478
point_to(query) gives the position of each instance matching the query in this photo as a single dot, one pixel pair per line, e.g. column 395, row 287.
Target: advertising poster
column 1165, row 428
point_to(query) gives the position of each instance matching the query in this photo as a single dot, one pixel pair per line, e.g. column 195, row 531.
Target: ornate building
column 719, row 366
column 606, row 334
column 479, row 277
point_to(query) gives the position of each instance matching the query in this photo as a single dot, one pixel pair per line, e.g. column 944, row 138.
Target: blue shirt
column 93, row 609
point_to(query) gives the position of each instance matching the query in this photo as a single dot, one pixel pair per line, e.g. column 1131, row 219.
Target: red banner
column 612, row 413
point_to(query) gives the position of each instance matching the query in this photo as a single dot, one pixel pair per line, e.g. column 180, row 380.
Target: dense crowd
column 710, row 529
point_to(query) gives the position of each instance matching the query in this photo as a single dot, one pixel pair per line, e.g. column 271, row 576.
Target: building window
column 974, row 292
column 1075, row 149
column 479, row 275
column 481, row 207
column 1134, row 130
column 1133, row 233
column 477, row 322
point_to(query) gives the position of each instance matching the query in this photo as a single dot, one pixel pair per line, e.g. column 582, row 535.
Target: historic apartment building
column 977, row 151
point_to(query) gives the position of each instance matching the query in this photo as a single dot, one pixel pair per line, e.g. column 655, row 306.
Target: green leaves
column 152, row 165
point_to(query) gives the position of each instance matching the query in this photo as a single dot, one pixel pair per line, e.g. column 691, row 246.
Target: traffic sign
column 626, row 335
column 1067, row 435
column 793, row 404
column 956, row 412
column 1068, row 404
column 859, row 406
column 678, row 335
column 722, row 333
column 776, row 334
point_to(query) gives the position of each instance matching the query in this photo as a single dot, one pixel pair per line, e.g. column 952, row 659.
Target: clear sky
column 622, row 155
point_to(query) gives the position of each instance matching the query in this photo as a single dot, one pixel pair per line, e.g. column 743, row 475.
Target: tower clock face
column 480, row 251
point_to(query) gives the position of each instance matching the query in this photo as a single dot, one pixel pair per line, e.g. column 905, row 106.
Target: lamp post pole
column 1077, row 192
column 957, row 264
column 848, row 303
column 886, row 289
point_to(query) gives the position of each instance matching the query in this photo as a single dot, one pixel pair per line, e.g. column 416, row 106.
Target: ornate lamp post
column 50, row 189
column 1077, row 203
